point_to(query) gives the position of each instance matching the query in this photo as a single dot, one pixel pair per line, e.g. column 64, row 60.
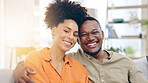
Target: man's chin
column 92, row 53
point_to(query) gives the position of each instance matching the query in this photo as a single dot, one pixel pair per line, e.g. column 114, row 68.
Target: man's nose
column 90, row 37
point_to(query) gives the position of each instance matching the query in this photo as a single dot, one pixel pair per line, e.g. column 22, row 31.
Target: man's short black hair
column 89, row 18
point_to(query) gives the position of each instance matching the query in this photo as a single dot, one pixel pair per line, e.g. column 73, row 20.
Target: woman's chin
column 65, row 50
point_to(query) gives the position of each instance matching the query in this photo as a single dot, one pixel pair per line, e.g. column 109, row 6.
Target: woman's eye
column 66, row 31
column 75, row 35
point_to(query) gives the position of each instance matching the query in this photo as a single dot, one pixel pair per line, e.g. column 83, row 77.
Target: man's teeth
column 68, row 43
column 92, row 44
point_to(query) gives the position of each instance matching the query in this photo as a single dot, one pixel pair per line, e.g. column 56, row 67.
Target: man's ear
column 102, row 34
column 53, row 31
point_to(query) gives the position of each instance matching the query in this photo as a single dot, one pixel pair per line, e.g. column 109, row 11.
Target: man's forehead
column 90, row 21
column 90, row 24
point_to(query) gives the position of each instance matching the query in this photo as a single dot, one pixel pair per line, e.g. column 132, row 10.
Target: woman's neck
column 56, row 53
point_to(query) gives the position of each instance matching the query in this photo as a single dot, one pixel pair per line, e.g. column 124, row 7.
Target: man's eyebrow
column 95, row 29
column 82, row 32
column 67, row 27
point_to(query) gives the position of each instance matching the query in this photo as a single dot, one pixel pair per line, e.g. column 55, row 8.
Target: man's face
column 91, row 37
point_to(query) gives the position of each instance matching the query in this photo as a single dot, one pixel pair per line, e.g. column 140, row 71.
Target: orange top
column 40, row 61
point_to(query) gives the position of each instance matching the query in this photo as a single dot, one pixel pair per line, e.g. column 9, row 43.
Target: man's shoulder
column 76, row 54
column 73, row 61
column 115, row 54
column 118, row 56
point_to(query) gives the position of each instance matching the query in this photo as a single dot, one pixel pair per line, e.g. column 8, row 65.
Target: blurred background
column 22, row 27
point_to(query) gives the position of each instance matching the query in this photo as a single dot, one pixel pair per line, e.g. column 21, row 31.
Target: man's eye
column 83, row 35
column 66, row 31
column 95, row 32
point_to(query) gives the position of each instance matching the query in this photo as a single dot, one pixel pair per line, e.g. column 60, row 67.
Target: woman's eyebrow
column 76, row 31
column 67, row 27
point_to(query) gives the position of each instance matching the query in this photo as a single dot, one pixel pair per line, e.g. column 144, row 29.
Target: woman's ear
column 78, row 40
column 53, row 31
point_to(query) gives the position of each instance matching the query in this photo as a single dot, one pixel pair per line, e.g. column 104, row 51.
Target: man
column 103, row 66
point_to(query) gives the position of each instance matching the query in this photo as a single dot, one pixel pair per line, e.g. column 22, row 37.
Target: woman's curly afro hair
column 58, row 11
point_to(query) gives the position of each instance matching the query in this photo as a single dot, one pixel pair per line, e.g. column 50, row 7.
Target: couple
column 102, row 66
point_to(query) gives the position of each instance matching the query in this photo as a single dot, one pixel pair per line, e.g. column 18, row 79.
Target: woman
column 51, row 64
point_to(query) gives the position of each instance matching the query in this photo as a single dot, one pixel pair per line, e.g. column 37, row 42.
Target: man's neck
column 101, row 55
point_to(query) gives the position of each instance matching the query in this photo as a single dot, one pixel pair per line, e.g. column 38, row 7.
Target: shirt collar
column 91, row 57
column 110, row 54
column 46, row 56
column 67, row 61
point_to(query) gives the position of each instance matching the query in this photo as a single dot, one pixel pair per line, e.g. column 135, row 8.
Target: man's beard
column 92, row 54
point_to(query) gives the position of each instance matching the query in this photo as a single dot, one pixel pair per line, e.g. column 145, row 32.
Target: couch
column 6, row 75
column 142, row 64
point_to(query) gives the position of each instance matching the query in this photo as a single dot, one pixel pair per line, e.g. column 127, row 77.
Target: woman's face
column 65, row 35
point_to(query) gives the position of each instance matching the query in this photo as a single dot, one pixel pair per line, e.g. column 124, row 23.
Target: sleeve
column 136, row 76
column 33, row 60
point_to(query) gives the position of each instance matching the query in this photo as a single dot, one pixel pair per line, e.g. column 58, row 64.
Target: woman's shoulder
column 32, row 58
column 33, row 54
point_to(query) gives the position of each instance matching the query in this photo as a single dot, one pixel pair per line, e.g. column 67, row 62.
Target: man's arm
column 20, row 73
column 136, row 76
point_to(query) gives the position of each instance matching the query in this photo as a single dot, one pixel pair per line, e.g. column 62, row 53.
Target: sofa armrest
column 6, row 76
column 142, row 64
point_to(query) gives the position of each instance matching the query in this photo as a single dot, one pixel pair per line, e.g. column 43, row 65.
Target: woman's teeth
column 68, row 43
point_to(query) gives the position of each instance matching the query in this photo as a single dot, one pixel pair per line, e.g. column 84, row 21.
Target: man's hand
column 20, row 73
